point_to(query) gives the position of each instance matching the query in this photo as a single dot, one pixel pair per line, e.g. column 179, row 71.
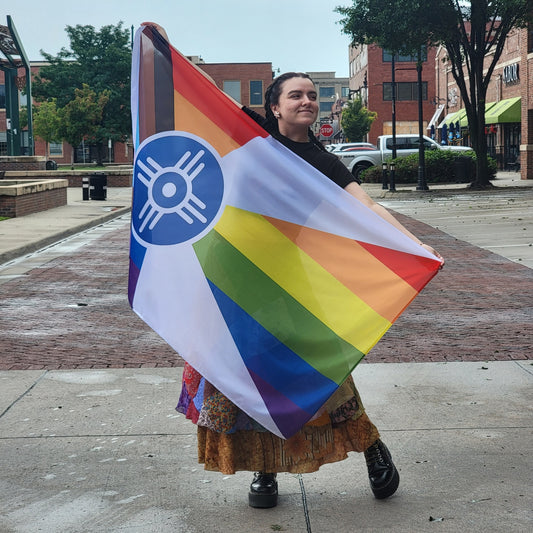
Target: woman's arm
column 357, row 192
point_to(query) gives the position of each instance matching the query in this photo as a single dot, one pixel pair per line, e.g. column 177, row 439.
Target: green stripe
column 273, row 308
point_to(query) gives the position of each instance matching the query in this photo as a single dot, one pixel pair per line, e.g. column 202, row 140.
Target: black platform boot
column 384, row 478
column 263, row 491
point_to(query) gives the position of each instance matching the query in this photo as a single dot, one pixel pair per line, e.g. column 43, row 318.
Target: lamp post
column 421, row 184
column 394, row 153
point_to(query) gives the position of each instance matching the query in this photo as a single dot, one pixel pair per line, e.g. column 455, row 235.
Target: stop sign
column 326, row 130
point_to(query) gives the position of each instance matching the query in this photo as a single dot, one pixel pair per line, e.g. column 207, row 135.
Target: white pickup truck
column 406, row 144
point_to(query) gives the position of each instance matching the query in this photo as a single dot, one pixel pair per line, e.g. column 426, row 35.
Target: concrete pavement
column 104, row 451
column 101, row 449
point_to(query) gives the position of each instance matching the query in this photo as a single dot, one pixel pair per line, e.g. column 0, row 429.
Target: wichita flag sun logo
column 265, row 276
column 173, row 172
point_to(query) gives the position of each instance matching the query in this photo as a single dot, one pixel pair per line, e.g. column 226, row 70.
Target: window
column 345, row 92
column 405, row 91
column 3, row 141
column 408, row 58
column 256, row 92
column 2, row 96
column 327, row 92
column 56, row 149
column 233, row 89
column 325, row 107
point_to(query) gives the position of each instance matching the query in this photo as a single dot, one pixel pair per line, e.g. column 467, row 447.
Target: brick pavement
column 72, row 312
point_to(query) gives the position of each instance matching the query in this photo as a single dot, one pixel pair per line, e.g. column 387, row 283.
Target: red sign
column 326, row 130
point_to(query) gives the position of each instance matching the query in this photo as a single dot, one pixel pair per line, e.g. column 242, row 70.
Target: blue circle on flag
column 178, row 187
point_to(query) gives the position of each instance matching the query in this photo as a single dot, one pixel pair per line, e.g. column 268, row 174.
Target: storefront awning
column 504, row 111
column 494, row 112
column 436, row 116
column 448, row 119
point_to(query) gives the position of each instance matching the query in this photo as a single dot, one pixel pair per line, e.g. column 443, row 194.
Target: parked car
column 359, row 160
column 343, row 147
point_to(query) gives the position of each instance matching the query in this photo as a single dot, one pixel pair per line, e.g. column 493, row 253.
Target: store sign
column 511, row 73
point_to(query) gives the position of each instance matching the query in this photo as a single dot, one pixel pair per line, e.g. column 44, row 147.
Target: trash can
column 462, row 165
column 51, row 165
column 98, row 187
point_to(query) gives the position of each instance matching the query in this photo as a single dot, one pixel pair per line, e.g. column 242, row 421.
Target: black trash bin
column 51, row 165
column 462, row 165
column 98, row 187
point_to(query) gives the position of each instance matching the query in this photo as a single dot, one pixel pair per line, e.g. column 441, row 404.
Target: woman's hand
column 433, row 251
column 159, row 28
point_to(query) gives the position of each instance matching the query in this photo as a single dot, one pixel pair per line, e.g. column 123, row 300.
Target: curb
column 29, row 248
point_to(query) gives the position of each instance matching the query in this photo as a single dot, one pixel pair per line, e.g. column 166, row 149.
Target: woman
column 228, row 440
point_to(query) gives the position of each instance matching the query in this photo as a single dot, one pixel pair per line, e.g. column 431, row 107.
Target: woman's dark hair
column 272, row 95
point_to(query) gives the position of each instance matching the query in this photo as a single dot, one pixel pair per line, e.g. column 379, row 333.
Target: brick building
column 509, row 103
column 371, row 79
column 509, row 108
column 244, row 82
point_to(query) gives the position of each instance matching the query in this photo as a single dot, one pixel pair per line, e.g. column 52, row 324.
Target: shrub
column 442, row 166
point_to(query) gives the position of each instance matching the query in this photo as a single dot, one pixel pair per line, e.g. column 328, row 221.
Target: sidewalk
column 102, row 449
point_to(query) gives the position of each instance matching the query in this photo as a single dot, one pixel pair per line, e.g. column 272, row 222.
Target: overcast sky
column 299, row 35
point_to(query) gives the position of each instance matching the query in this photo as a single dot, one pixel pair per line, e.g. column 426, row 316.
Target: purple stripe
column 132, row 282
column 286, row 414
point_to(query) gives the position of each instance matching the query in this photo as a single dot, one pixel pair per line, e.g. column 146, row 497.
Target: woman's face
column 298, row 105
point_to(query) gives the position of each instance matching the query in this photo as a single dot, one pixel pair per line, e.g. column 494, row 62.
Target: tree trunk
column 478, row 139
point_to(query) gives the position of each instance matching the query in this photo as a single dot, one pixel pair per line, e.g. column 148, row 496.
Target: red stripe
column 212, row 102
column 404, row 265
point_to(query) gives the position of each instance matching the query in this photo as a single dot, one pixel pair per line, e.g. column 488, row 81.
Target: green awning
column 449, row 118
column 463, row 121
column 508, row 110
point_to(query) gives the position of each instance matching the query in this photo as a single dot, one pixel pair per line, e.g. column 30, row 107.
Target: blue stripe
column 272, row 360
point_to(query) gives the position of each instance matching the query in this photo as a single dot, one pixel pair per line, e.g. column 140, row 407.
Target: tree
column 82, row 116
column 101, row 60
column 46, row 122
column 398, row 27
column 356, row 120
column 473, row 34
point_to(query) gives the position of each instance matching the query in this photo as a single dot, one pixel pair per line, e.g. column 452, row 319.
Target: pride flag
column 268, row 278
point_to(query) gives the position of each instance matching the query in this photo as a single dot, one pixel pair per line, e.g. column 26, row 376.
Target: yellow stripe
column 189, row 118
column 303, row 278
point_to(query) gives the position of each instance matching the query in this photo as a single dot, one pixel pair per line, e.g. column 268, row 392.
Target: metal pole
column 393, row 85
column 421, row 185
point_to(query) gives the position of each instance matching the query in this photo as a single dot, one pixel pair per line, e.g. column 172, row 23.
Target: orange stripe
column 189, row 118
column 354, row 267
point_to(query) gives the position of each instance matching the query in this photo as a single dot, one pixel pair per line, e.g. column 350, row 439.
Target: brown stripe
column 146, row 87
column 164, row 86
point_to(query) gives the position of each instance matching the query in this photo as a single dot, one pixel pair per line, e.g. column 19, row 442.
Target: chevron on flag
column 263, row 274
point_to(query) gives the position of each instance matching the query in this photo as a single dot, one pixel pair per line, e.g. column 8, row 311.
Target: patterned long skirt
column 229, row 440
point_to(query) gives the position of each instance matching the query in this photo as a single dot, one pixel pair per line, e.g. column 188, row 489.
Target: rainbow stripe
column 289, row 286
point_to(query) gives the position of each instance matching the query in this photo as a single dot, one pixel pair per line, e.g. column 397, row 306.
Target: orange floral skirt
column 229, row 441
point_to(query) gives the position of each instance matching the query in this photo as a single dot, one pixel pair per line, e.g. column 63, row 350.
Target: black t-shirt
column 329, row 164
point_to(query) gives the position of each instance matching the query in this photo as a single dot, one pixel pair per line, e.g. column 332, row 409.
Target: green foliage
column 82, row 116
column 399, row 26
column 442, row 166
column 46, row 121
column 100, row 60
column 356, row 120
